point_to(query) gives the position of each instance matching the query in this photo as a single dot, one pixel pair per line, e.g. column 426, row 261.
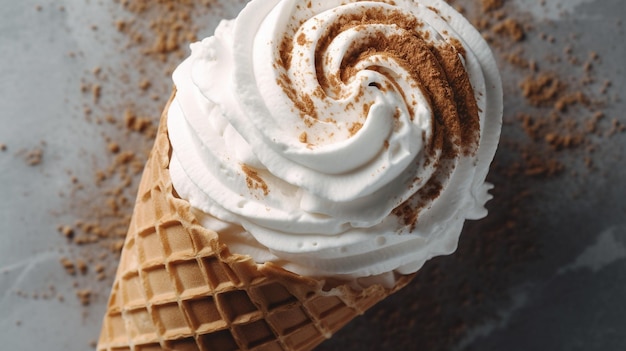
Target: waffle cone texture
column 179, row 288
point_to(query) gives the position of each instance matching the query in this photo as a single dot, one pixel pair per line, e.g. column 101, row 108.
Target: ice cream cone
column 179, row 288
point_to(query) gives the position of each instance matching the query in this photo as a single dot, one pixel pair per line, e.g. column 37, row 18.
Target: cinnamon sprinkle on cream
column 304, row 138
column 435, row 68
column 253, row 180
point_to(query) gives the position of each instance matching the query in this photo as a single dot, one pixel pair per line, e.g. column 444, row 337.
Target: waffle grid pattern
column 178, row 288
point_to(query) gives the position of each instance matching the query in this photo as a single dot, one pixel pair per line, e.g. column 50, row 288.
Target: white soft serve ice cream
column 337, row 138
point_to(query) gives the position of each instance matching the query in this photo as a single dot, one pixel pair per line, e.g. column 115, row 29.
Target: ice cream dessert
column 347, row 140
column 313, row 156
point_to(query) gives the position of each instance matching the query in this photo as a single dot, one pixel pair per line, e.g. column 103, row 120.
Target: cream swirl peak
column 337, row 138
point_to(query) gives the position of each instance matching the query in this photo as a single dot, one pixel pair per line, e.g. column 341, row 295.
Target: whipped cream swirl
column 337, row 138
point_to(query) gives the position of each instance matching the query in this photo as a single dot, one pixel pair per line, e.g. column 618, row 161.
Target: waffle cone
column 179, row 288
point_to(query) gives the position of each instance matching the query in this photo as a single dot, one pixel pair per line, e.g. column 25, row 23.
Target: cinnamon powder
column 124, row 103
column 437, row 69
column 254, row 181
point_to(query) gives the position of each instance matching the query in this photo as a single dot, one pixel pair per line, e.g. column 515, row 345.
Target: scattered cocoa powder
column 81, row 266
column 96, row 92
column 68, row 265
column 543, row 89
column 84, row 296
column 511, row 28
column 32, row 157
column 67, row 231
column 490, row 5
column 155, row 37
column 114, row 147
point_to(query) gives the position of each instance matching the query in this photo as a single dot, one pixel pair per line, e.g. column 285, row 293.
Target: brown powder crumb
column 536, row 165
column 519, row 61
column 491, row 5
column 511, row 28
column 34, row 157
column 96, row 92
column 3, row 147
column 67, row 231
column 117, row 246
column 605, row 87
column 543, row 89
column 409, row 211
column 434, row 9
column 84, row 296
column 124, row 158
column 145, row 84
column 571, row 99
column 81, row 266
column 253, row 180
column 563, row 141
column 304, row 137
column 592, row 124
column 301, row 40
column 68, row 265
column 120, row 25
column 99, row 268
column 99, row 177
column 114, row 147
column 616, row 127
column 356, row 126
column 137, row 124
column 110, row 119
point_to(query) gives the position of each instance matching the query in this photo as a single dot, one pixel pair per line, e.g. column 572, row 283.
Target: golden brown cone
column 179, row 288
